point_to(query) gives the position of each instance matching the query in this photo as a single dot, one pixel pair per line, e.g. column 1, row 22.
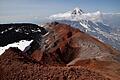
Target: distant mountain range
column 96, row 24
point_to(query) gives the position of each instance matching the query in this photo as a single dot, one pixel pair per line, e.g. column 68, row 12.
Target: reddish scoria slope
column 15, row 67
column 65, row 46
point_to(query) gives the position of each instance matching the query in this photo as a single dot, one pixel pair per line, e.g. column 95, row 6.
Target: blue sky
column 43, row 8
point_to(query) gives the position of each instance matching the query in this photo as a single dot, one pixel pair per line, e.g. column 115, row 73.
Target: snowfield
column 21, row 45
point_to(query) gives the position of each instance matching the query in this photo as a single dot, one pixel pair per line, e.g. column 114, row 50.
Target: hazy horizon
column 25, row 10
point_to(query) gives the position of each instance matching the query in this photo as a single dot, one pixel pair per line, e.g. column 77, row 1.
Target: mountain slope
column 14, row 67
column 90, row 23
column 63, row 53
column 62, row 44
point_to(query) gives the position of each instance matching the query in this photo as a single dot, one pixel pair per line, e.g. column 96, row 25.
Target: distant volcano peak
column 77, row 11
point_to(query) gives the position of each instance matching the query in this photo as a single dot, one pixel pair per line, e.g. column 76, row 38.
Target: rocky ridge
column 62, row 53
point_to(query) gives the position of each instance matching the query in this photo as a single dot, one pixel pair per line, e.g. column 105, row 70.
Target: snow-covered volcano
column 77, row 11
column 91, row 23
column 77, row 14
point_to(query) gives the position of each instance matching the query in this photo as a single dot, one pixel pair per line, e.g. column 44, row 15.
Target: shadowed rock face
column 62, row 46
column 10, row 33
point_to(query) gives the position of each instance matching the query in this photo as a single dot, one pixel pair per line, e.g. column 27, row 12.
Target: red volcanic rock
column 65, row 44
column 37, row 55
column 64, row 53
column 15, row 67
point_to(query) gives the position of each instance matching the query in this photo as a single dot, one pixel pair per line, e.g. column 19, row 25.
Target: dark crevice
column 58, row 55
column 69, row 34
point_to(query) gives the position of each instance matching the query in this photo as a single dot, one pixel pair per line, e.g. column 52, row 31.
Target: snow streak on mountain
column 91, row 23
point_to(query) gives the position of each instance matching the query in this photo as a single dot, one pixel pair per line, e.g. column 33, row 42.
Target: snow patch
column 21, row 45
